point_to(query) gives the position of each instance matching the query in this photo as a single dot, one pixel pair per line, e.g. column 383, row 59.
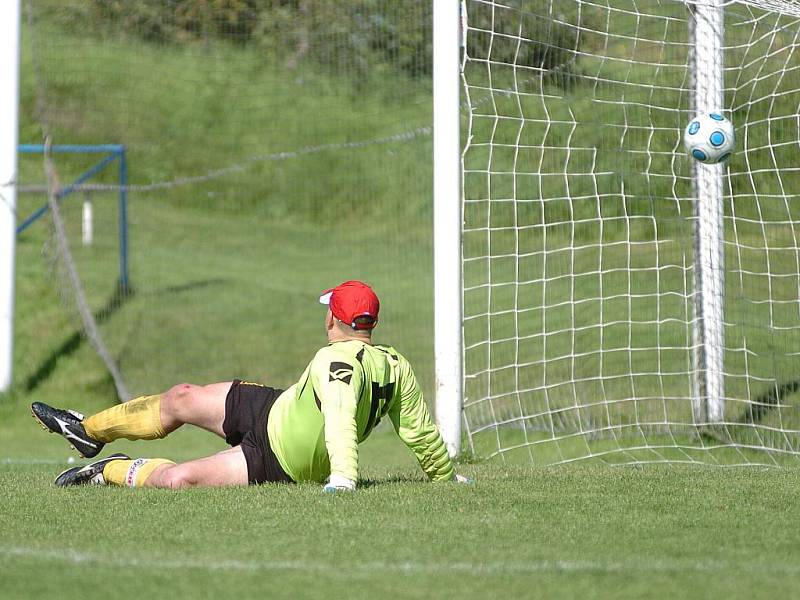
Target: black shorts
column 246, row 412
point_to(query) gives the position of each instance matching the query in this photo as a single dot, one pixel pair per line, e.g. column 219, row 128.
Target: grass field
column 225, row 276
column 518, row 532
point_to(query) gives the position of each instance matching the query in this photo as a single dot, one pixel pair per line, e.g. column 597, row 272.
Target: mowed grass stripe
column 477, row 569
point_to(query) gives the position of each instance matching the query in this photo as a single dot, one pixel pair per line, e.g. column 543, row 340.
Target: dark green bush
column 356, row 37
column 524, row 35
column 366, row 34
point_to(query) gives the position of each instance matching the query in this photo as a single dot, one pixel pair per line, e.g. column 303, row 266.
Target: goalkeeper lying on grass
column 309, row 432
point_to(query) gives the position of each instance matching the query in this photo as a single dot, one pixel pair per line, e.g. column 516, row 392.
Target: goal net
column 583, row 310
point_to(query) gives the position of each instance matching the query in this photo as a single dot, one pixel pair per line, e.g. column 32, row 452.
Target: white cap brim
column 326, row 298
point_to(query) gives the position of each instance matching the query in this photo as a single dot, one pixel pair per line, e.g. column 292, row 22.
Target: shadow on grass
column 389, row 480
column 762, row 405
column 72, row 343
column 187, row 287
column 117, row 300
column 755, row 412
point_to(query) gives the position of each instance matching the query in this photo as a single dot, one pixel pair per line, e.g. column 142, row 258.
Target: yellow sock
column 138, row 419
column 132, row 473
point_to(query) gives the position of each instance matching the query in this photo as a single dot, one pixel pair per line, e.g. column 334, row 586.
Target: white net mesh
column 578, row 233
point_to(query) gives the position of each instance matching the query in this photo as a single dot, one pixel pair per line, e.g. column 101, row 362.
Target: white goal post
column 622, row 302
column 447, row 221
column 9, row 119
column 706, row 33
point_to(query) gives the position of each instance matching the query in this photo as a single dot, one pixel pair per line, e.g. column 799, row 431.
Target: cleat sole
column 47, row 429
column 39, row 421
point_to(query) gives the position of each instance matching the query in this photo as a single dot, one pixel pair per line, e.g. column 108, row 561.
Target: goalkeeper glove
column 337, row 483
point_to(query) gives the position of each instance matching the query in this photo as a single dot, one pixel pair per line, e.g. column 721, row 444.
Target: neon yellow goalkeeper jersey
column 315, row 426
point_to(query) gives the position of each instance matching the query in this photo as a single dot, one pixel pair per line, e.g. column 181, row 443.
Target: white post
column 447, row 217
column 708, row 186
column 9, row 138
column 87, row 223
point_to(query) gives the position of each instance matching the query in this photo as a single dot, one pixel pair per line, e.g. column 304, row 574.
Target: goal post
column 447, row 221
column 9, row 119
column 707, row 68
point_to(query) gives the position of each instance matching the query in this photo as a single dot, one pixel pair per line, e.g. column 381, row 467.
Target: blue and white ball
column 709, row 138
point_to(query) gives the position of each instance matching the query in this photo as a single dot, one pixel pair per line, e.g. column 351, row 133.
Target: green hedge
column 357, row 37
column 352, row 36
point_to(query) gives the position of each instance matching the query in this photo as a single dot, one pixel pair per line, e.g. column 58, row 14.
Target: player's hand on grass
column 462, row 479
column 337, row 483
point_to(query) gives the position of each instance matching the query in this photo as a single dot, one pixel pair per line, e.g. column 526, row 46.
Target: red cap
column 354, row 303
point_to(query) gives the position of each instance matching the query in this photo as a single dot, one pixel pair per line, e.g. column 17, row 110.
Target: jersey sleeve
column 335, row 380
column 416, row 428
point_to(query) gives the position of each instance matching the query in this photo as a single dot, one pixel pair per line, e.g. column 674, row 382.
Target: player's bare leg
column 222, row 469
column 200, row 405
column 143, row 418
column 152, row 417
column 226, row 468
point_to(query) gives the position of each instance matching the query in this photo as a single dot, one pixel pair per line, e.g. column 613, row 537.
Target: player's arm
column 335, row 383
column 416, row 428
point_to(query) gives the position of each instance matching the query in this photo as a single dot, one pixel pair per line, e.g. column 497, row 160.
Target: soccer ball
column 709, row 138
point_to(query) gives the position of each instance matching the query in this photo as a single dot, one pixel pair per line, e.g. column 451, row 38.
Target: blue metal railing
column 113, row 152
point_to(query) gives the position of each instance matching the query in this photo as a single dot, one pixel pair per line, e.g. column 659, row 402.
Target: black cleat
column 91, row 474
column 69, row 424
